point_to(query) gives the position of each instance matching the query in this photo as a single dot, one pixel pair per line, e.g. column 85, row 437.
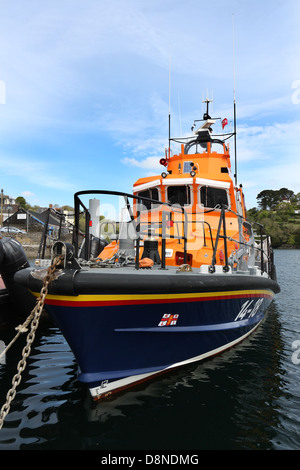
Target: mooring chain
column 34, row 318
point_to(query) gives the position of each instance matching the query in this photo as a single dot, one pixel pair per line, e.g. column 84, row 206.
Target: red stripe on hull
column 111, row 303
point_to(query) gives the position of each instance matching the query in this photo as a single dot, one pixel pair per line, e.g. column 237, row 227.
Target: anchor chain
column 34, row 318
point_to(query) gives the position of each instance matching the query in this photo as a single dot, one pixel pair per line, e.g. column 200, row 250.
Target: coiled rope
column 34, row 318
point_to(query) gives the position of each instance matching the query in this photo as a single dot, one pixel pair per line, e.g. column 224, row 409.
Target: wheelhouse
column 197, row 179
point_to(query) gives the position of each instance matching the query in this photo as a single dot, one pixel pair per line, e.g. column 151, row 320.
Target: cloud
column 95, row 74
column 35, row 172
column 268, row 157
column 275, row 142
column 27, row 194
column 149, row 163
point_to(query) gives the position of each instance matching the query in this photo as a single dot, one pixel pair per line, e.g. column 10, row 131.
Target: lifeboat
column 181, row 275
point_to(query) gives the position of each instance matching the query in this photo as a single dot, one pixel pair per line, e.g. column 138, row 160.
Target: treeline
column 21, row 201
column 279, row 213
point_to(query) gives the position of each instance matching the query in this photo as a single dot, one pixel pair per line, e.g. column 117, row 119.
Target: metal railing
column 266, row 256
column 78, row 204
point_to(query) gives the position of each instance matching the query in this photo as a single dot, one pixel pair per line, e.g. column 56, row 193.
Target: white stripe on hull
column 106, row 388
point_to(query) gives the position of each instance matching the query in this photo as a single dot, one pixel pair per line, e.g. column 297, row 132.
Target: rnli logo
column 168, row 320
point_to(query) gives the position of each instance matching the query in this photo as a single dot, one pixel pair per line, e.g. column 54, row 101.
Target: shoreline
column 31, row 244
column 287, row 247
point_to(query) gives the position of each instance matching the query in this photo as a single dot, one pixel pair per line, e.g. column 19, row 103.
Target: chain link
column 34, row 317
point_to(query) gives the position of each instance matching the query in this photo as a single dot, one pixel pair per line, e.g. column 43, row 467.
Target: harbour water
column 246, row 399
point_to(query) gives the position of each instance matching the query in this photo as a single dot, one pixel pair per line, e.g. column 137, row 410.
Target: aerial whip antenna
column 179, row 113
column 169, row 104
column 234, row 106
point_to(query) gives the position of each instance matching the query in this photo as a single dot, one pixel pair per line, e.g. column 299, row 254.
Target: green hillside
column 279, row 213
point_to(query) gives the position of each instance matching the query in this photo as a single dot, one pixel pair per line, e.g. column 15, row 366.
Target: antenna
column 170, row 104
column 179, row 114
column 234, row 105
column 206, row 113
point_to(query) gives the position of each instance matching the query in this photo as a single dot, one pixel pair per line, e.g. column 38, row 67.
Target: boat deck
column 128, row 279
column 170, row 270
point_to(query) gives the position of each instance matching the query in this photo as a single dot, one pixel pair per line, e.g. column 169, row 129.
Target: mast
column 169, row 106
column 234, row 107
column 206, row 114
column 235, row 159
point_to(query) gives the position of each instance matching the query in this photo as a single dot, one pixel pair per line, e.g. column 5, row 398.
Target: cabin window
column 179, row 195
column 195, row 147
column 211, row 197
column 217, row 147
column 151, row 193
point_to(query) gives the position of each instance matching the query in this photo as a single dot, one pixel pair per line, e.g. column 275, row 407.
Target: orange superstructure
column 195, row 185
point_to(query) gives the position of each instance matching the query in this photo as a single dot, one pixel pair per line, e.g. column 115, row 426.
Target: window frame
column 141, row 203
column 213, row 187
column 186, row 185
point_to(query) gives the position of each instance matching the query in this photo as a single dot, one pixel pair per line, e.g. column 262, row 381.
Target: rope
column 34, row 318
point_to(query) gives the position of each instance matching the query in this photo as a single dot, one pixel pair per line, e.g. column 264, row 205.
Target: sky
column 86, row 87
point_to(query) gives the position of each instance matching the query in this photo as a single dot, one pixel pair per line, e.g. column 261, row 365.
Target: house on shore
column 7, row 207
column 29, row 221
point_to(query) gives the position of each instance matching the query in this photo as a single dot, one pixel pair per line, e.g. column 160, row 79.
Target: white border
column 142, row 187
column 213, row 183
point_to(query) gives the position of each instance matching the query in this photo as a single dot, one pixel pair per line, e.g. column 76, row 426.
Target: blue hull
column 119, row 345
column 125, row 326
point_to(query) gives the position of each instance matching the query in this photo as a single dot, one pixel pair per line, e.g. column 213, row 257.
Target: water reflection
column 46, row 384
column 247, row 398
column 229, row 402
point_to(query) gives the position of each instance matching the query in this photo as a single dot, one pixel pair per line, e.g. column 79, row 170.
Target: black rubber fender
column 12, row 260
